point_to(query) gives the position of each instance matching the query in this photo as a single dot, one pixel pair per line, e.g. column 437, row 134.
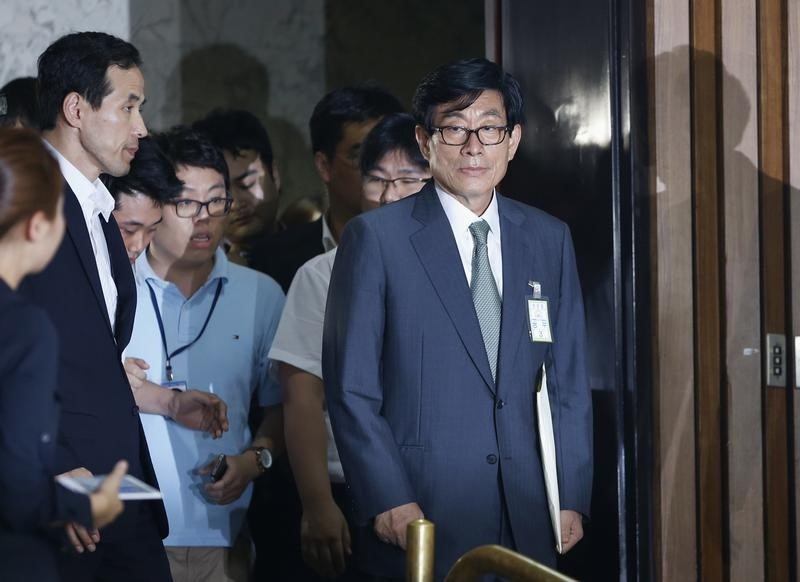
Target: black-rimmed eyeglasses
column 456, row 135
column 383, row 183
column 216, row 207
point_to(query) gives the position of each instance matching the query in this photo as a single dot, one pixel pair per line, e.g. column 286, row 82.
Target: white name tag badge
column 176, row 385
column 539, row 321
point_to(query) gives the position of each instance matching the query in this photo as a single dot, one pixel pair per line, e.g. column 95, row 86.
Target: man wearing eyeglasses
column 206, row 323
column 338, row 125
column 392, row 168
column 433, row 345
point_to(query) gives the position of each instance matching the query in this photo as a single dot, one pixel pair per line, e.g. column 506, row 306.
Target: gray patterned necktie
column 487, row 300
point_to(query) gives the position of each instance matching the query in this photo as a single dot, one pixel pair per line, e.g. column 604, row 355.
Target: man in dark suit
column 340, row 122
column 338, row 125
column 91, row 90
column 428, row 359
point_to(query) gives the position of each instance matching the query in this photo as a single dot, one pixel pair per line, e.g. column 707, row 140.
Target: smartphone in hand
column 220, row 466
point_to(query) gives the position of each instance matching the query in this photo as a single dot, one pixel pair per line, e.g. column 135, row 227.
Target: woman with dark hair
column 32, row 505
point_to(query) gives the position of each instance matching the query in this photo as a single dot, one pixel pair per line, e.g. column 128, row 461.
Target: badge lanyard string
column 183, row 348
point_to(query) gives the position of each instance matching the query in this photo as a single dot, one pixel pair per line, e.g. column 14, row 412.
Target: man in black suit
column 90, row 96
column 338, row 125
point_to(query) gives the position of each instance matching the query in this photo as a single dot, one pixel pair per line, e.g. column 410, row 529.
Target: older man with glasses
column 205, row 323
column 442, row 311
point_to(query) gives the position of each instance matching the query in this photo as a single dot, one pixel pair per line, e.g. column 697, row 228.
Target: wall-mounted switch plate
column 775, row 360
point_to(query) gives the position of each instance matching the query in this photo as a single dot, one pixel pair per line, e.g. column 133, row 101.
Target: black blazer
column 99, row 417
column 281, row 254
column 29, row 497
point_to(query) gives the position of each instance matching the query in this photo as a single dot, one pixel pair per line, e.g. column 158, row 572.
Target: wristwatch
column 263, row 458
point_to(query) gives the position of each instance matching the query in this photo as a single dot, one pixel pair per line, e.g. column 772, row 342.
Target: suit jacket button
column 491, row 459
column 135, row 410
column 500, row 404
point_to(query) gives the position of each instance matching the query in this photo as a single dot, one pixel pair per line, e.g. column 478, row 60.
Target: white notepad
column 130, row 489
column 547, row 451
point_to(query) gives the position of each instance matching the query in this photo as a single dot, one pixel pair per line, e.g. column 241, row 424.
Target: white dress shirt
column 95, row 200
column 460, row 217
column 298, row 341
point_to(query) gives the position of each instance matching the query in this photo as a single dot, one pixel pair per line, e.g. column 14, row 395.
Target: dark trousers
column 274, row 522
column 139, row 557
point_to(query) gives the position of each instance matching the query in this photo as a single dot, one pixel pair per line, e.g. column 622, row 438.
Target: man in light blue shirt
column 205, row 323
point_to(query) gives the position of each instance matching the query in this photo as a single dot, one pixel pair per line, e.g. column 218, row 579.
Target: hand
column 136, row 371
column 325, row 539
column 80, row 537
column 199, row 411
column 571, row 529
column 241, row 470
column 106, row 505
column 390, row 526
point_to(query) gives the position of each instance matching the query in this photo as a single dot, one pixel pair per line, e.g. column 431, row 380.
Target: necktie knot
column 480, row 232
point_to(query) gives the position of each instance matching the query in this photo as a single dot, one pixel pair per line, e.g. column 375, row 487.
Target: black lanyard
column 181, row 349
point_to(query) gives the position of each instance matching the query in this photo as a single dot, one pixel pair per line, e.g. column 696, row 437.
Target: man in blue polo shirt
column 205, row 323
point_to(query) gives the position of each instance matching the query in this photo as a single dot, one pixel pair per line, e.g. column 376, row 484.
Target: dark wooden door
column 577, row 161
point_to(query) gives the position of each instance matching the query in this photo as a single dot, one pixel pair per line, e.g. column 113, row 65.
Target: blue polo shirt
column 230, row 360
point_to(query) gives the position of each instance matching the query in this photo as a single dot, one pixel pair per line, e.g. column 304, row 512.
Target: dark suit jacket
column 281, row 254
column 415, row 411
column 99, row 417
column 29, row 497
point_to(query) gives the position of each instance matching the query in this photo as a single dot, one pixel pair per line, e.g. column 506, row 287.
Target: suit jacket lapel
column 520, row 264
column 79, row 234
column 438, row 253
column 122, row 273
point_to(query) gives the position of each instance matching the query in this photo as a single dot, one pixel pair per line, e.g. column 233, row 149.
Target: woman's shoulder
column 24, row 324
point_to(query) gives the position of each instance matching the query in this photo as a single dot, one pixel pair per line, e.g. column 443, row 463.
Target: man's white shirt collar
column 328, row 242
column 92, row 196
column 460, row 217
column 144, row 271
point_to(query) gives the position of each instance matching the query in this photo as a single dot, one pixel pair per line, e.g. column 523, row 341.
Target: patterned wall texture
column 27, row 27
column 266, row 57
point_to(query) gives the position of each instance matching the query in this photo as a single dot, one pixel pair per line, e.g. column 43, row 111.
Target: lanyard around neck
column 183, row 348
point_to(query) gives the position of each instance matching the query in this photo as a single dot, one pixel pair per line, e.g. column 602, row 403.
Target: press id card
column 539, row 320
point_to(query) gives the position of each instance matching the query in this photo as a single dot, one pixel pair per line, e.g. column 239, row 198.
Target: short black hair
column 185, row 146
column 461, row 83
column 395, row 132
column 78, row 62
column 234, row 130
column 19, row 96
column 151, row 175
column 347, row 105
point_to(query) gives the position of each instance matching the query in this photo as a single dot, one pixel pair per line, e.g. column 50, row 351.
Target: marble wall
column 27, row 27
column 275, row 58
column 265, row 57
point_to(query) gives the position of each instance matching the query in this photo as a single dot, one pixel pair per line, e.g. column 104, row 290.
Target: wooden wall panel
column 707, row 281
column 744, row 147
column 742, row 297
column 772, row 152
column 673, row 305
